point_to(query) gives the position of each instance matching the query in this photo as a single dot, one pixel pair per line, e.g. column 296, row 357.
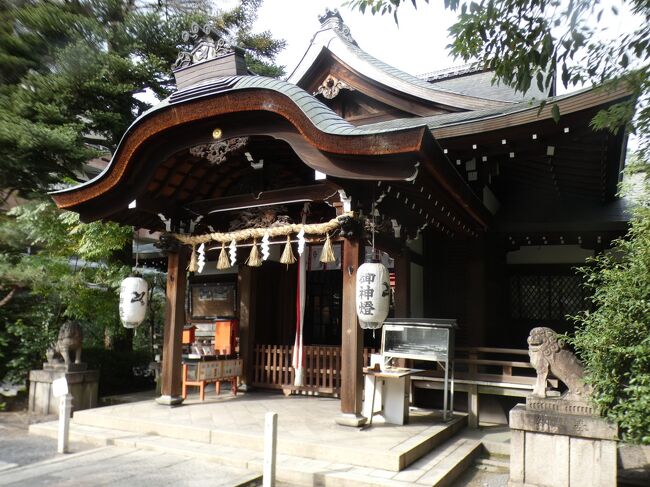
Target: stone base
column 83, row 386
column 170, row 400
column 354, row 420
column 559, row 405
column 65, row 367
column 552, row 449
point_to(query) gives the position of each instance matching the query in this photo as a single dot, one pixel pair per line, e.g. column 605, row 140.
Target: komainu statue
column 547, row 354
column 70, row 339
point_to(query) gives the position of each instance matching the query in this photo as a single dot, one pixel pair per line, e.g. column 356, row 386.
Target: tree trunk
column 8, row 297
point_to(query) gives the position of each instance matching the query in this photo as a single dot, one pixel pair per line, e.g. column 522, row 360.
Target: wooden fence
column 322, row 371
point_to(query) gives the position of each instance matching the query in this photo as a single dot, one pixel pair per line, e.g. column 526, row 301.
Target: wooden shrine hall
column 480, row 201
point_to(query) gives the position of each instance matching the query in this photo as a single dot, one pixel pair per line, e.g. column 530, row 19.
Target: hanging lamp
column 373, row 289
column 134, row 297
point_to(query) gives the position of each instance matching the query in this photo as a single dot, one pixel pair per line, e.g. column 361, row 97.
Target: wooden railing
column 322, row 370
column 495, row 364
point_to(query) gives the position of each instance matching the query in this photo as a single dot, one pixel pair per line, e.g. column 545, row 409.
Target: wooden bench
column 484, row 370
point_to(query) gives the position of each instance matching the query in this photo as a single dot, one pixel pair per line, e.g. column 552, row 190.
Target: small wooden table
column 396, row 388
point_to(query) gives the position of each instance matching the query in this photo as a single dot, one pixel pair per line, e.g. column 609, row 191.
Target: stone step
column 394, row 459
column 494, row 463
column 436, row 468
column 443, row 465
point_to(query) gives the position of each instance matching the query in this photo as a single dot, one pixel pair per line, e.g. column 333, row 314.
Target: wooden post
column 476, row 298
column 352, row 339
column 402, row 285
column 171, row 377
column 246, row 279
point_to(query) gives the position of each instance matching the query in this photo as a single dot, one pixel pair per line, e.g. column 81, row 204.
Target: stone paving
column 114, row 465
column 306, row 427
column 222, row 436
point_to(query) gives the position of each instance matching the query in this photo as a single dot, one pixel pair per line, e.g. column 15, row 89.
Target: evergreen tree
column 69, row 73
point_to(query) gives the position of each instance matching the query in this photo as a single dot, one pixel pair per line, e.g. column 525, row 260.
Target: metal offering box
column 423, row 339
column 418, row 339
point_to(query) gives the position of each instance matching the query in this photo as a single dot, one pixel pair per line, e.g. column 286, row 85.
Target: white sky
column 417, row 46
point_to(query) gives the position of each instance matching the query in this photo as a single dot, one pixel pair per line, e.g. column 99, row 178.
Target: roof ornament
column 208, row 44
column 217, row 152
column 332, row 19
column 331, row 87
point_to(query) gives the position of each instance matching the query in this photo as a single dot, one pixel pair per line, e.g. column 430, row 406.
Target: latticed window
column 545, row 297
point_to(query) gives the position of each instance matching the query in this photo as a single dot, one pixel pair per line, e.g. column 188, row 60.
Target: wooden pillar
column 352, row 339
column 246, row 283
column 171, row 377
column 476, row 297
column 402, row 285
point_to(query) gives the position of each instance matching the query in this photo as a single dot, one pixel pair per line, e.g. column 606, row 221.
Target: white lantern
column 133, row 301
column 373, row 295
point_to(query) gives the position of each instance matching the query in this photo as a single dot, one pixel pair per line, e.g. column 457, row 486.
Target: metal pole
column 446, row 392
column 65, row 407
column 270, row 447
column 453, row 365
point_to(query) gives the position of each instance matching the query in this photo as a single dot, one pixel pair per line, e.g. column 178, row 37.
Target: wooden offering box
column 201, row 373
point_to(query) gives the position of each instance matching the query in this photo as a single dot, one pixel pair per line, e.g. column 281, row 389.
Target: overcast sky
column 417, row 46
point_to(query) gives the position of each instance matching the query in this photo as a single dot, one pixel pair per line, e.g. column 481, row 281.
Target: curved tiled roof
column 322, row 117
column 332, row 39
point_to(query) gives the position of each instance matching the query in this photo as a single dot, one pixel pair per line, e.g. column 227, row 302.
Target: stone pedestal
column 555, row 449
column 82, row 384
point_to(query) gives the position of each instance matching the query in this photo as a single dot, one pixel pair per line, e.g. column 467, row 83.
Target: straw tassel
column 223, row 262
column 287, row 255
column 194, row 264
column 254, row 259
column 327, row 255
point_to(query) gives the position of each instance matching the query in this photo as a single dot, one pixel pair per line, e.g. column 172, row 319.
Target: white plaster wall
column 549, row 254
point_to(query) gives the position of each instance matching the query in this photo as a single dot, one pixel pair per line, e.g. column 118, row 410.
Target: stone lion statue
column 548, row 355
column 70, row 339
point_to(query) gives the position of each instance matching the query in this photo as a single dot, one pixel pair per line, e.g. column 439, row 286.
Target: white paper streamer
column 232, row 252
column 265, row 247
column 301, row 241
column 200, row 261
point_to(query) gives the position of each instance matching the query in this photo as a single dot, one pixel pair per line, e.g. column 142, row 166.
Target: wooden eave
column 585, row 162
column 318, row 137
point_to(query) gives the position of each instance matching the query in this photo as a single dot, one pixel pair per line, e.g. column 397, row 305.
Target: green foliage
column 69, row 72
column 70, row 272
column 530, row 42
column 614, row 338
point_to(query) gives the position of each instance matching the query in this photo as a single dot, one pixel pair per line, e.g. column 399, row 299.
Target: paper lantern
column 373, row 294
column 133, row 301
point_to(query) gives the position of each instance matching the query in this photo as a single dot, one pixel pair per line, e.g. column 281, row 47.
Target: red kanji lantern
column 373, row 294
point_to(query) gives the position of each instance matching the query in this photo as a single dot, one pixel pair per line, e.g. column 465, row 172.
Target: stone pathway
column 17, row 448
column 113, row 465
